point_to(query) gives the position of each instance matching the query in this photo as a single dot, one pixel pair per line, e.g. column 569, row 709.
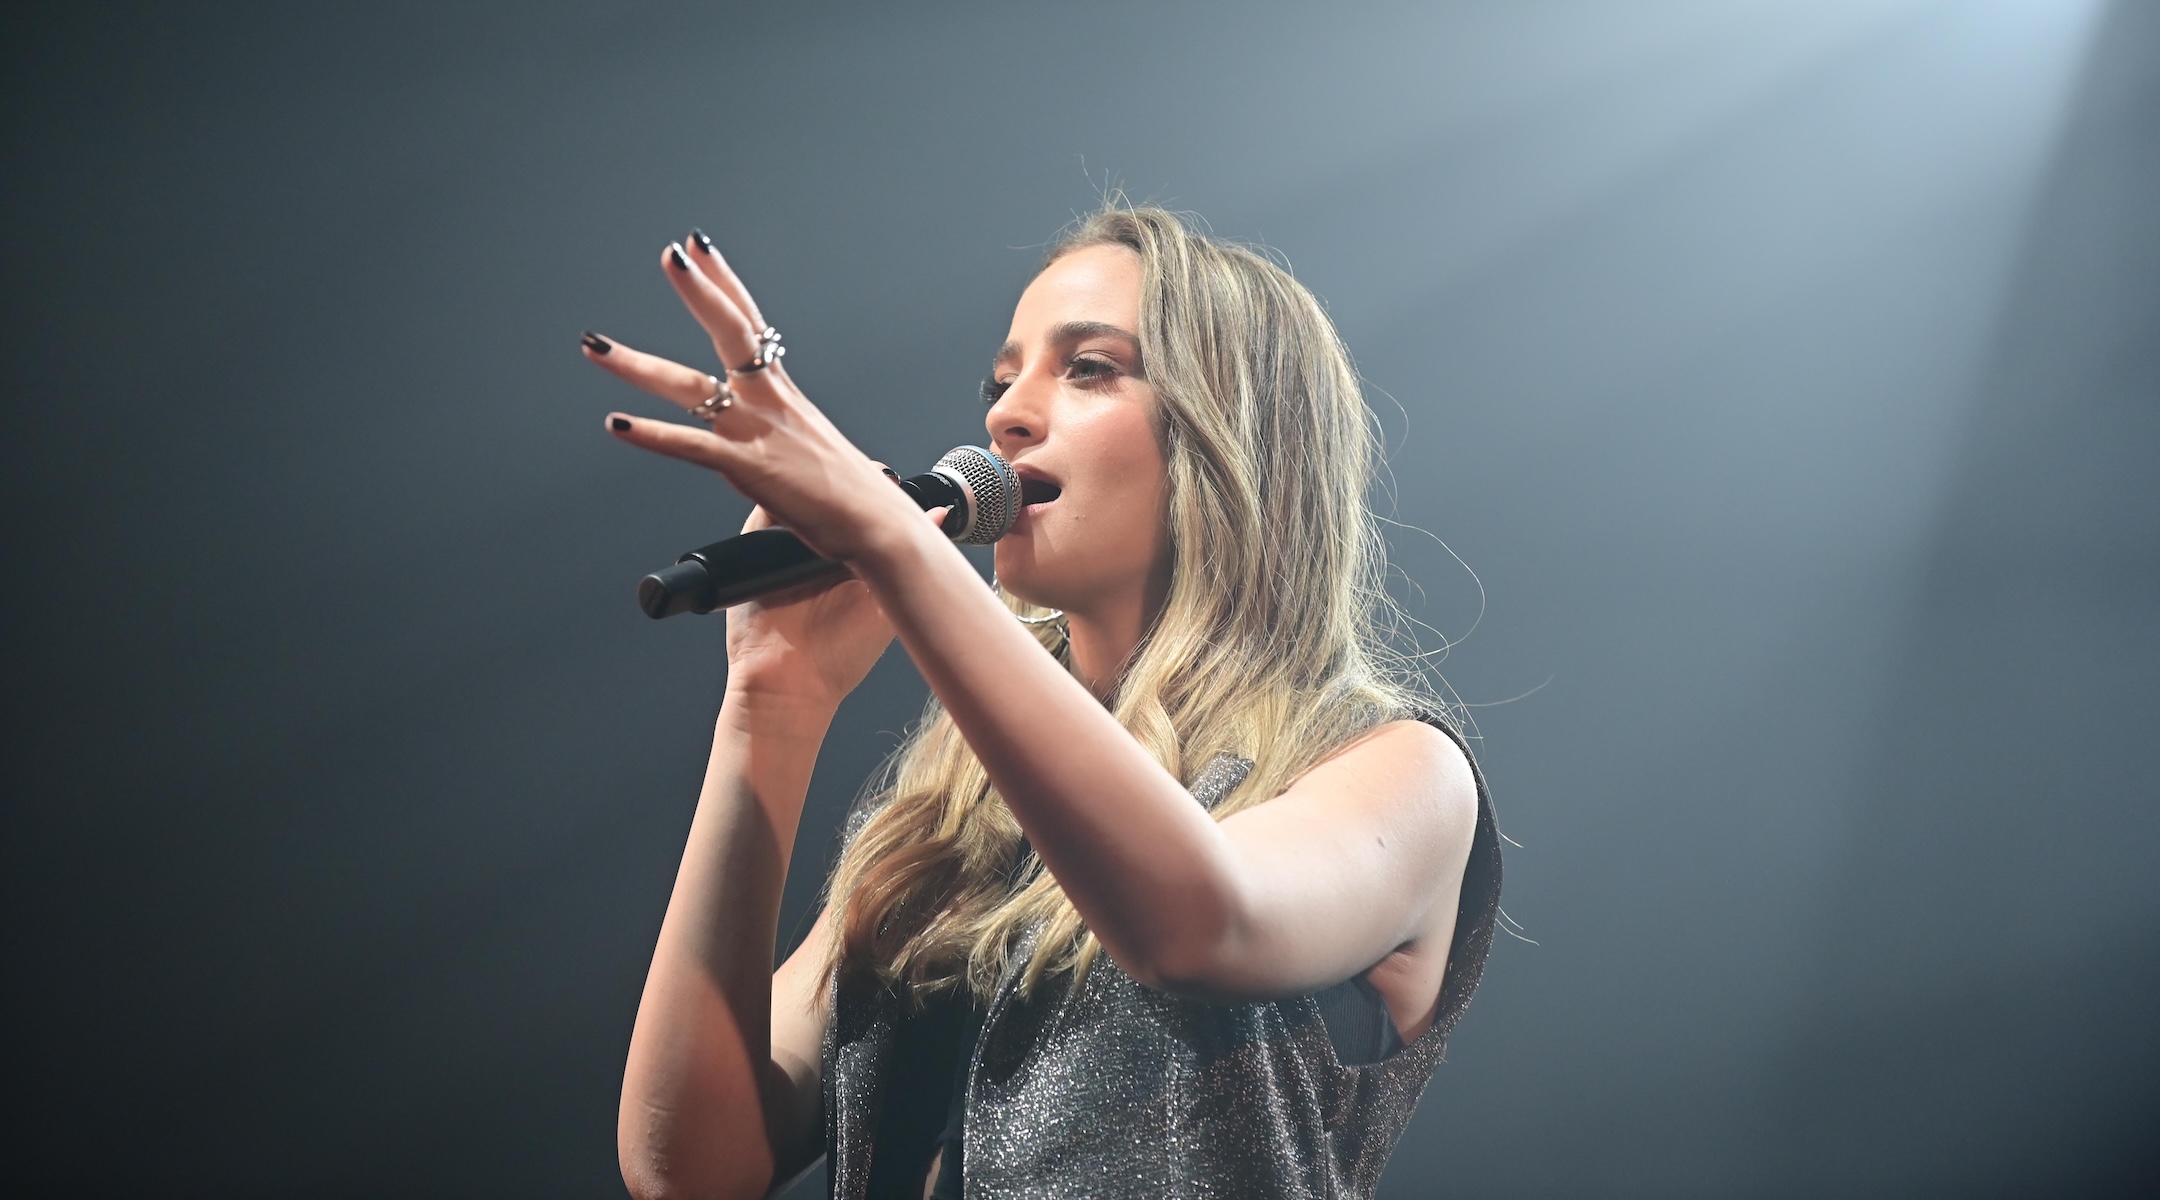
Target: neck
column 1100, row 647
column 1103, row 636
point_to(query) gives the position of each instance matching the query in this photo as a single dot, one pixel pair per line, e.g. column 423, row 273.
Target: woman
column 1042, row 967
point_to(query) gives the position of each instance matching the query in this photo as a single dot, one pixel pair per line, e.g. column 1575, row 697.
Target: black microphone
column 980, row 487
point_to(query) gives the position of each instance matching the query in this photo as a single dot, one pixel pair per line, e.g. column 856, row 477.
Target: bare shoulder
column 1397, row 806
column 1408, row 767
column 1422, row 745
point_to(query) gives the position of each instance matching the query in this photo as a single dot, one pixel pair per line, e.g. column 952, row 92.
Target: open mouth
column 1038, row 491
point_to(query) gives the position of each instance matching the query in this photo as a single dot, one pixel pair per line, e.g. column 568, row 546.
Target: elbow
column 647, row 1185
column 650, row 1176
column 1190, row 973
column 644, row 1186
column 1187, row 978
column 643, row 1182
column 1192, row 956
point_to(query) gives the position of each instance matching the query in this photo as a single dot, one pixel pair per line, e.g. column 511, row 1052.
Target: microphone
column 980, row 487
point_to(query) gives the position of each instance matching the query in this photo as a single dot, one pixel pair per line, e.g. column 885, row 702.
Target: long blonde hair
column 1277, row 639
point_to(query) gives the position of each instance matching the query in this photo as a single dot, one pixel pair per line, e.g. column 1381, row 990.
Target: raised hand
column 770, row 442
column 815, row 642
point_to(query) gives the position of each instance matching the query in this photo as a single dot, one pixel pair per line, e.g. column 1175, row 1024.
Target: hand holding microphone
column 775, row 447
column 978, row 487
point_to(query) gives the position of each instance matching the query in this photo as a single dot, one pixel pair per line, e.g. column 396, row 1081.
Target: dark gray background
column 1787, row 371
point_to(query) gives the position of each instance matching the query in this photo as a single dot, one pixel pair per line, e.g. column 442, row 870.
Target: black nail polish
column 619, row 424
column 597, row 344
column 698, row 239
column 674, row 254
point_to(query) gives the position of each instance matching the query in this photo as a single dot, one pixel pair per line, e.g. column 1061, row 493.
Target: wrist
column 891, row 548
column 789, row 711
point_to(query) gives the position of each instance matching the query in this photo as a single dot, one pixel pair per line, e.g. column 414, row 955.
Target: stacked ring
column 769, row 351
column 709, row 409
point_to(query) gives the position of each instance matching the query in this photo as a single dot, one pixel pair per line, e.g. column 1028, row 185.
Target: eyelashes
column 1091, row 371
column 1086, row 372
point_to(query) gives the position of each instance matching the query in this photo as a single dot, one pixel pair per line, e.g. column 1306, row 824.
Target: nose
column 1017, row 420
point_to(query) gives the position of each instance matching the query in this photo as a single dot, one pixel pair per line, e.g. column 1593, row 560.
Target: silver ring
column 709, row 409
column 769, row 351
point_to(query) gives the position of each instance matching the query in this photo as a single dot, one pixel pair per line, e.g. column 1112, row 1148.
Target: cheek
column 1133, row 479
column 1117, row 533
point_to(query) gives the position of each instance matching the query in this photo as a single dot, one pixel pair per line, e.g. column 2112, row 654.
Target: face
column 1072, row 410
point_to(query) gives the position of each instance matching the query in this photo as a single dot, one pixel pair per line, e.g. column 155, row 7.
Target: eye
column 993, row 388
column 1090, row 371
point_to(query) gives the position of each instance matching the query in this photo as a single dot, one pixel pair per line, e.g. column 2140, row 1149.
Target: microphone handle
column 731, row 571
column 751, row 564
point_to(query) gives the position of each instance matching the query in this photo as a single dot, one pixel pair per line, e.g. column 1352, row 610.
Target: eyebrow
column 1072, row 331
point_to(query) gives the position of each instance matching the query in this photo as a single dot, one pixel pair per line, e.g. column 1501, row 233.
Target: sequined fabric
column 1115, row 1090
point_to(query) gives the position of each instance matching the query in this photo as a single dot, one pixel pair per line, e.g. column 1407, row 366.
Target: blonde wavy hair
column 1277, row 641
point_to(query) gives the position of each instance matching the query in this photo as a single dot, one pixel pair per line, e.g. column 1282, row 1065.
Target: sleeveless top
column 1113, row 1089
column 922, row 1118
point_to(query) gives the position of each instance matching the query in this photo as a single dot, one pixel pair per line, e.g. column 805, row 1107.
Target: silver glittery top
column 1116, row 1090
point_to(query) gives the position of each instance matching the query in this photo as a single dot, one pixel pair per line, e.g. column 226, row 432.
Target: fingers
column 671, row 381
column 686, row 442
column 734, row 338
column 706, row 258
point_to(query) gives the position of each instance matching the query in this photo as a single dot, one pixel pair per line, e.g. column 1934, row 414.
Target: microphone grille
column 993, row 492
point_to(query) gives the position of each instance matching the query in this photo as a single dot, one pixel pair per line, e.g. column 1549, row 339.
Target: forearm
column 697, row 1091
column 1146, row 867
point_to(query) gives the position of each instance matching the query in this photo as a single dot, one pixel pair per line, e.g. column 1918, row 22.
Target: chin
column 1024, row 578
